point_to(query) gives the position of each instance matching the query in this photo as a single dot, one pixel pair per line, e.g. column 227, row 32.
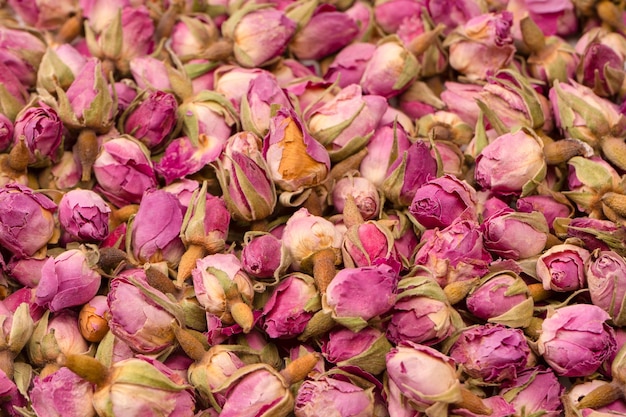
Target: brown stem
column 538, row 293
column 160, row 281
column 351, row 214
column 319, row 324
column 603, row 395
column 299, row 368
column 188, row 263
column 6, row 362
column 19, row 156
column 88, row 368
column 457, row 291
column 324, row 268
column 473, row 403
column 561, row 151
column 610, row 14
column 122, row 215
column 242, row 314
column 188, row 342
column 614, row 149
column 616, row 202
column 532, row 35
column 87, row 147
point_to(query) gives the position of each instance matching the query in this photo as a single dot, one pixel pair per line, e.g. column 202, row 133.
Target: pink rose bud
column 124, row 171
column 441, row 200
column 151, row 118
column 233, row 82
column 554, row 59
column 192, row 35
column 27, row 222
column 421, row 314
column 67, row 281
column 326, row 31
column 84, row 216
column 207, row 116
column 264, row 93
column 62, row 393
column 486, row 35
column 26, row 271
column 356, row 295
column 562, row 268
column 460, row 99
column 182, row 157
column 295, row 159
column 215, row 367
column 290, row 306
column 391, row 13
column 149, row 72
column 383, row 148
column 491, row 352
column 420, row 100
column 502, row 297
column 575, row 340
column 261, row 255
column 6, row 132
column 553, row 18
column 349, row 64
column 391, row 69
column 503, row 172
column 408, row 173
column 535, row 390
column 14, row 95
column 512, row 235
column 363, row 14
column 315, row 396
column 126, row 93
column 409, row 367
column 365, row 349
column 140, row 315
column 21, row 51
column 601, row 69
column 42, row 132
column 606, row 274
column 155, row 229
column 364, row 193
column 60, row 64
column 594, row 233
column 368, row 243
column 54, row 335
column 456, row 253
column 456, row 13
column 65, row 174
column 545, row 204
column 260, row 35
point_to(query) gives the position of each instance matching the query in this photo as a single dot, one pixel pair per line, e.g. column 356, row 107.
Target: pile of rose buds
column 346, row 208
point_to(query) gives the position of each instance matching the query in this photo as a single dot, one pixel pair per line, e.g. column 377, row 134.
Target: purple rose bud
column 453, row 14
column 391, row 69
column 124, row 171
column 349, row 64
column 126, row 93
column 260, row 35
column 545, row 204
column 408, row 173
column 364, row 193
column 215, row 367
column 182, row 157
column 367, row 244
column 151, row 118
column 62, row 393
column 383, row 148
column 54, row 335
column 263, row 94
column 315, row 396
column 84, row 216
column 356, row 295
column 421, row 314
column 455, row 253
column 10, row 396
column 486, row 35
column 26, row 271
column 67, row 281
column 287, row 138
column 502, row 297
column 21, row 51
column 441, row 200
column 365, row 349
column 600, row 69
column 575, row 340
column 326, row 31
column 512, row 235
column 409, row 367
column 390, row 14
column 460, row 99
column 562, row 268
column 535, row 390
column 138, row 313
column 606, row 277
column 156, row 228
column 503, row 172
column 491, row 352
column 290, row 306
column 261, row 255
column 42, row 132
column 26, row 220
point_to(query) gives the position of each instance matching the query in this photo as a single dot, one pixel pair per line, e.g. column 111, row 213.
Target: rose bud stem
column 314, row 204
column 610, row 14
column 324, row 268
column 533, row 330
column 552, row 241
column 601, row 396
column 612, row 215
column 19, row 156
column 538, row 293
column 473, row 403
column 458, row 290
column 560, row 151
column 424, row 41
column 240, row 311
column 188, row 263
column 533, row 36
column 168, row 19
column 319, row 324
column 614, row 149
column 110, row 258
column 70, row 29
column 189, row 343
column 220, row 50
column 122, row 215
column 616, row 202
column 160, row 281
column 86, row 367
column 351, row 214
column 299, row 368
column 87, row 146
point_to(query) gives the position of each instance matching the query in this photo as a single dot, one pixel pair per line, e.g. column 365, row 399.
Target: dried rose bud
column 21, row 50
column 27, row 220
column 62, row 393
column 182, row 157
column 575, row 340
column 606, row 274
column 149, row 72
column 390, row 14
column 15, row 332
column 349, row 64
column 54, row 335
column 512, row 235
column 385, row 145
column 491, row 352
column 42, row 131
column 10, row 396
column 67, row 281
column 263, row 94
column 502, row 297
column 454, row 14
column 364, row 193
column 535, row 390
column 367, row 244
column 192, row 35
column 420, row 100
column 550, row 207
column 562, row 268
column 92, row 319
column 151, row 118
column 365, row 349
column 233, row 81
column 60, row 64
column 315, row 396
column 261, row 255
column 84, row 216
column 260, row 34
column 124, row 171
column 209, row 114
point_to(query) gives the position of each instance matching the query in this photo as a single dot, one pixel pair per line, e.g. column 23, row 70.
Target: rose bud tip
column 19, row 156
column 298, row 369
column 324, row 268
column 242, row 314
column 188, row 263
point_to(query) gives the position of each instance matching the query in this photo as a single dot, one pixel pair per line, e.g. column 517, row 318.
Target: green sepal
column 141, row 373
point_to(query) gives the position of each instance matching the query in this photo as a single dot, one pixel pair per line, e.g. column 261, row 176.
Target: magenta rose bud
column 67, row 281
column 441, row 200
column 575, row 340
column 10, row 396
column 261, row 256
column 491, row 352
column 264, row 93
column 84, row 215
column 535, row 390
column 349, row 64
column 562, row 268
column 62, row 393
column 314, row 398
column 460, row 99
column 290, row 306
column 387, row 142
column 26, row 220
column 391, row 13
column 512, row 235
column 152, row 118
column 545, row 204
column 606, row 280
column 363, row 191
column 123, row 171
column 367, row 244
column 365, row 349
column 42, row 131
